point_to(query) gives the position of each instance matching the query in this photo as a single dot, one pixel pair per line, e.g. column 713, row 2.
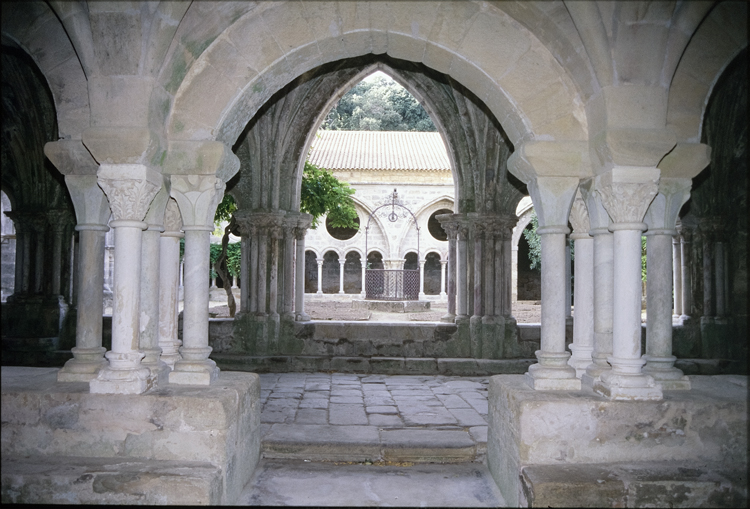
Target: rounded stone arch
column 266, row 48
column 355, row 249
column 436, row 204
column 523, row 221
column 49, row 46
column 717, row 41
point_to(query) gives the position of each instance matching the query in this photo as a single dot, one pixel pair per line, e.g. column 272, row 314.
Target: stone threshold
column 369, row 444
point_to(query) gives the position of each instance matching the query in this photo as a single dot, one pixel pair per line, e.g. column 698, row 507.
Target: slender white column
column 421, row 280
column 719, row 274
column 659, row 358
column 626, row 381
column 92, row 213
column 603, row 305
column 677, row 275
column 262, row 271
column 478, row 310
column 169, row 267
column 687, row 278
column 342, row 261
column 130, row 189
column 125, row 374
column 552, row 372
column 443, row 294
column 568, row 288
column 150, row 298
column 583, row 323
column 299, row 304
column 320, row 275
column 197, row 197
column 450, row 225
column 363, row 293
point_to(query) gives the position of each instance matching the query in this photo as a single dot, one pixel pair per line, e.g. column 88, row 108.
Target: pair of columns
column 271, row 242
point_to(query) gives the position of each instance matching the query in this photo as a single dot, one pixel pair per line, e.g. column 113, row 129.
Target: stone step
column 368, row 443
column 296, row 483
column 643, row 484
column 371, row 365
column 77, row 480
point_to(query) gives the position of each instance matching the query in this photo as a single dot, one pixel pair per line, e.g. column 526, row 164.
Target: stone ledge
column 646, row 484
column 77, row 480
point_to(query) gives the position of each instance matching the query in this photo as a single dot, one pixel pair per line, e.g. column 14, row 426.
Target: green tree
column 324, row 194
column 378, row 104
column 534, row 241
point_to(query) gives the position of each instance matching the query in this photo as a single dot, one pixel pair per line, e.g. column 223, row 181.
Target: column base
column 448, row 318
column 624, row 386
column 121, row 381
column 170, row 353
column 665, row 374
column 159, row 372
column 552, row 373
column 195, row 368
column 302, row 317
column 84, row 366
column 596, row 369
column 580, row 359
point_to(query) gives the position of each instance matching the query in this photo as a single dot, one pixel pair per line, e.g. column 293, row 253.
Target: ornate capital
column 553, row 197
column 89, row 200
column 450, row 224
column 579, row 216
column 197, row 196
column 172, row 217
column 130, row 189
column 626, row 192
column 663, row 211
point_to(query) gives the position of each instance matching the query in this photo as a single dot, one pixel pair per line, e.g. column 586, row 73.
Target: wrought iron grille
column 382, row 284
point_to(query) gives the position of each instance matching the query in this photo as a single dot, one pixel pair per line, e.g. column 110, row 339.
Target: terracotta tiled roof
column 379, row 150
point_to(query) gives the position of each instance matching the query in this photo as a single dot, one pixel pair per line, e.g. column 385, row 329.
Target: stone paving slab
column 357, row 417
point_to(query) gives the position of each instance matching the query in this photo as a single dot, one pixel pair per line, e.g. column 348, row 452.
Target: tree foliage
column 534, row 241
column 322, row 194
column 378, row 104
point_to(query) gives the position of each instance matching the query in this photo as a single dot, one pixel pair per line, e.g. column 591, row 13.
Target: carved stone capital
column 172, row 217
column 627, row 192
column 60, row 219
column 663, row 211
column 155, row 214
column 197, row 196
column 450, row 224
column 579, row 216
column 552, row 198
column 130, row 189
column 89, row 201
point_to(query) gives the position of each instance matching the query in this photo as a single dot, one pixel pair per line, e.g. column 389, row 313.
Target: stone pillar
column 499, row 296
column 450, row 225
column 169, row 275
column 677, row 276
column 462, row 269
column 687, row 278
column 478, row 232
column 489, row 269
column 39, row 225
column 505, row 282
column 150, row 297
column 92, row 213
column 320, row 275
column 583, row 320
column 708, row 277
column 421, row 280
column 299, row 234
column 553, row 198
column 254, row 235
column 245, row 289
column 342, row 260
column 22, row 238
column 290, row 223
column 262, row 270
column 130, row 189
column 568, row 282
column 273, row 280
column 443, row 293
column 197, row 197
column 626, row 194
column 719, row 274
column 363, row 293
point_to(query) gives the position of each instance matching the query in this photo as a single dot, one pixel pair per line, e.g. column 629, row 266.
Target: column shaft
column 341, row 275
column 245, row 286
column 262, row 271
column 169, row 275
column 443, row 263
column 505, row 282
column 719, row 275
column 299, row 283
column 288, row 285
column 583, row 318
column 320, row 275
column 659, row 358
column 273, row 280
column 489, row 273
column 603, row 305
column 461, row 276
column 478, row 255
column 499, row 275
column 150, row 298
column 677, row 275
column 452, row 255
column 708, row 262
column 687, row 278
column 254, row 278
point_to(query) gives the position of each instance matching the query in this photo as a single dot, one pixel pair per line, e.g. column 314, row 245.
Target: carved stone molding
column 626, row 193
column 130, row 189
column 89, row 200
column 579, row 216
column 664, row 209
column 197, row 196
column 450, row 223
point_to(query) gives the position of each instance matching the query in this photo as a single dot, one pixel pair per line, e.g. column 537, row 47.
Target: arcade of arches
column 617, row 118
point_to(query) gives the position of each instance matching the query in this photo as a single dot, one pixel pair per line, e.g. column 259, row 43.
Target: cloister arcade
column 616, row 118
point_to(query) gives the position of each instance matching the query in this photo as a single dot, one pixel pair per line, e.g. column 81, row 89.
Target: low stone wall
column 214, row 428
column 561, row 429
